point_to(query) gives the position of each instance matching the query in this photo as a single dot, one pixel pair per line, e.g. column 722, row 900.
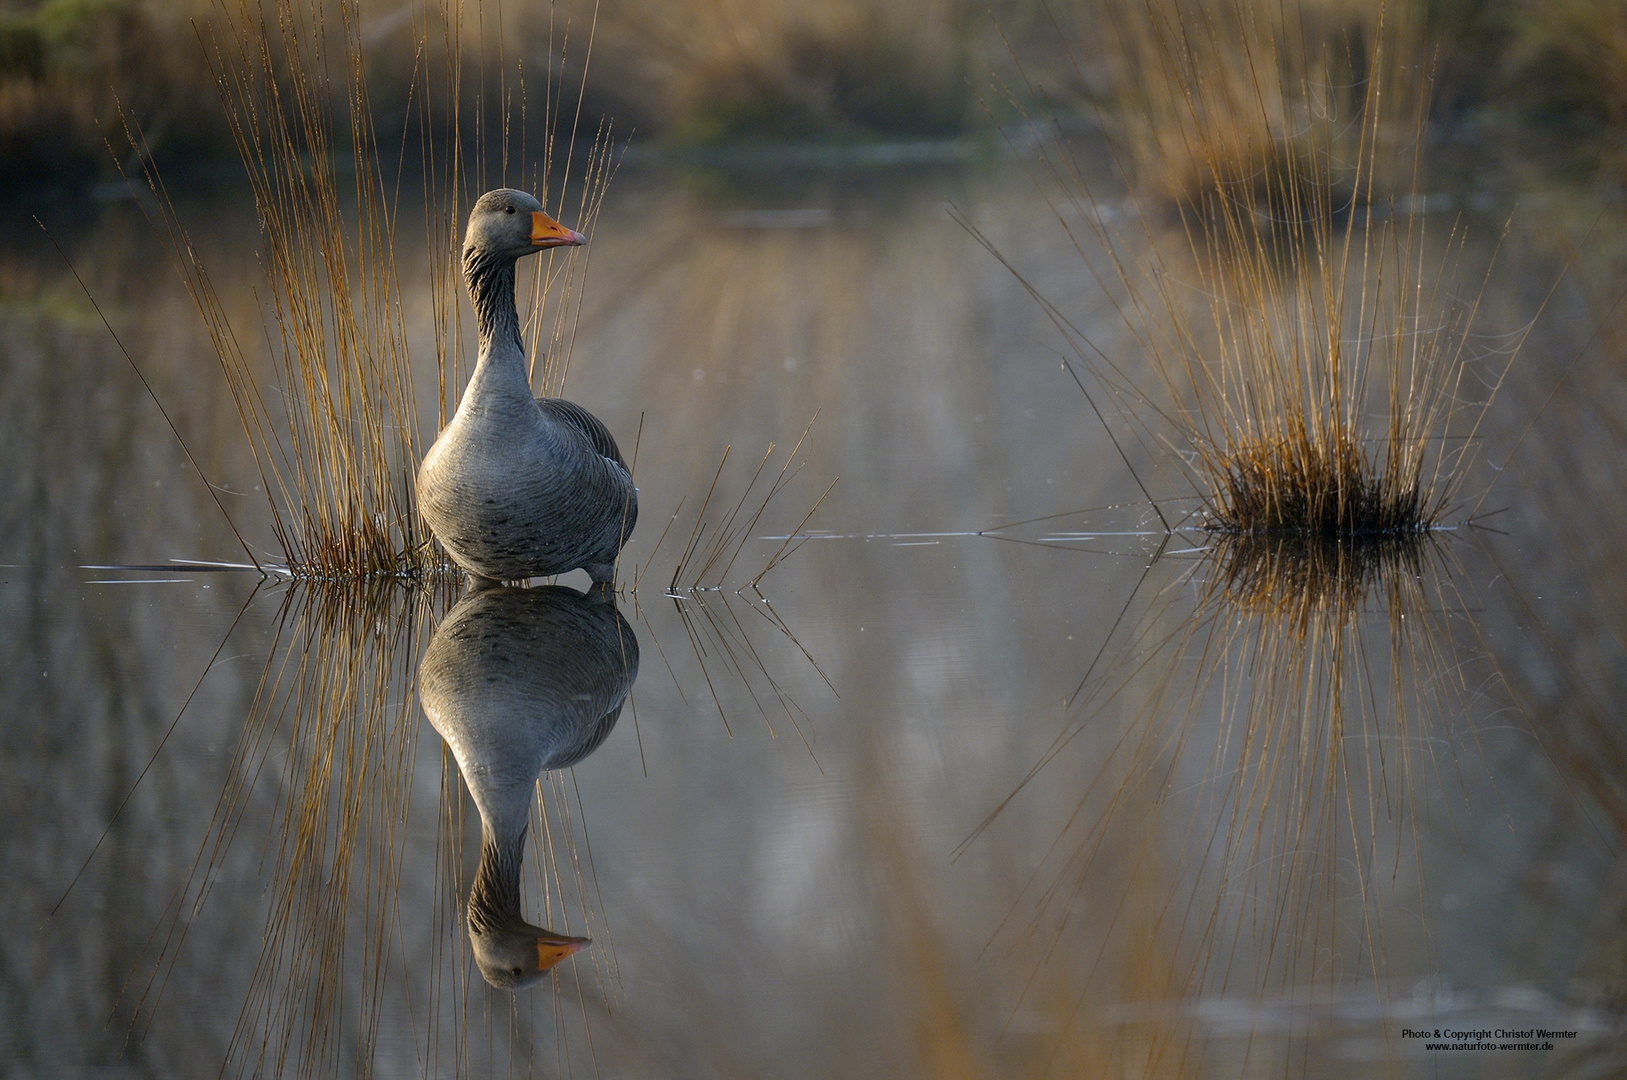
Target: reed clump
column 336, row 453
column 1301, row 340
column 1295, row 344
column 1320, row 486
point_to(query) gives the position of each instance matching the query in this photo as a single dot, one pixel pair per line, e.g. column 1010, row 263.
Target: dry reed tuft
column 1298, row 343
column 1324, row 487
column 1304, row 347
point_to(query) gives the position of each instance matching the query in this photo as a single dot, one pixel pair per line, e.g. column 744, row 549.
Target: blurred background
column 1525, row 75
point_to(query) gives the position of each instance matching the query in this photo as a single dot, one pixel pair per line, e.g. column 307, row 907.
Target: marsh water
column 985, row 777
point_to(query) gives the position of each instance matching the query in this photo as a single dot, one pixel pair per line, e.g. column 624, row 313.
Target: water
column 784, row 849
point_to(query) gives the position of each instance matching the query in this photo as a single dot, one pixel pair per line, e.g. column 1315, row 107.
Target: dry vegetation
column 1299, row 348
column 1295, row 344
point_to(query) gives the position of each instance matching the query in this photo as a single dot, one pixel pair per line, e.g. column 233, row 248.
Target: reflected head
column 515, row 958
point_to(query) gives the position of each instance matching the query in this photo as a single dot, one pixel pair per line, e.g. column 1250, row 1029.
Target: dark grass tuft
column 1326, row 488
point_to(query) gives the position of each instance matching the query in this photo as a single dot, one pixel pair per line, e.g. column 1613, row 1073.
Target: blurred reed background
column 720, row 71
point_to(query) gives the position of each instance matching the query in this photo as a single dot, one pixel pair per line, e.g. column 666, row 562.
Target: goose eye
column 508, row 209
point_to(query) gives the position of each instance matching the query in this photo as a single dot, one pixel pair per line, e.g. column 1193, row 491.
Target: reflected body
column 518, row 682
column 517, row 486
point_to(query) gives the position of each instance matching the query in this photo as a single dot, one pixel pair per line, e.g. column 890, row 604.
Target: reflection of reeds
column 730, row 650
column 1276, row 738
column 334, row 703
column 338, row 444
column 1290, row 576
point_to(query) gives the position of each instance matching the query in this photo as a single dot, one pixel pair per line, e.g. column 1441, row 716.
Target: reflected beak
column 546, row 232
column 554, row 948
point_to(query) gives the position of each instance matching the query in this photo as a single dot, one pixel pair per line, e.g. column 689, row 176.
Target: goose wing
column 597, row 435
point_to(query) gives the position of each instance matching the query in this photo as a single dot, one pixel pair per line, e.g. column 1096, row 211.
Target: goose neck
column 494, row 901
column 491, row 287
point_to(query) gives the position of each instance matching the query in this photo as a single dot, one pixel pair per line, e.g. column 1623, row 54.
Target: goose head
column 509, row 224
column 516, row 956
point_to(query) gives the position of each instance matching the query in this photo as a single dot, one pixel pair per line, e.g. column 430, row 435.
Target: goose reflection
column 520, row 681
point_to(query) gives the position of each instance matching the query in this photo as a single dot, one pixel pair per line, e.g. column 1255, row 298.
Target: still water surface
column 943, row 796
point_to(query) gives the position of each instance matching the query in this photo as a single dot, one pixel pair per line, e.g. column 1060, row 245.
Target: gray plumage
column 519, row 682
column 517, row 486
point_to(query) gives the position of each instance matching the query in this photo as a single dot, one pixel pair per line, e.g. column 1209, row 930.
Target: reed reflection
column 1258, row 736
column 322, row 775
column 519, row 682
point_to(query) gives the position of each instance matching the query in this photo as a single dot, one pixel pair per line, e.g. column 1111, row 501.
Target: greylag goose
column 519, row 681
column 517, row 486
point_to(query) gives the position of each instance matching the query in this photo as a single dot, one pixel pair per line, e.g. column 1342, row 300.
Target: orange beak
column 546, row 232
column 554, row 948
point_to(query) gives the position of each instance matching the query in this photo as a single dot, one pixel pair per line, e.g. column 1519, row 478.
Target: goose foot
column 476, row 584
